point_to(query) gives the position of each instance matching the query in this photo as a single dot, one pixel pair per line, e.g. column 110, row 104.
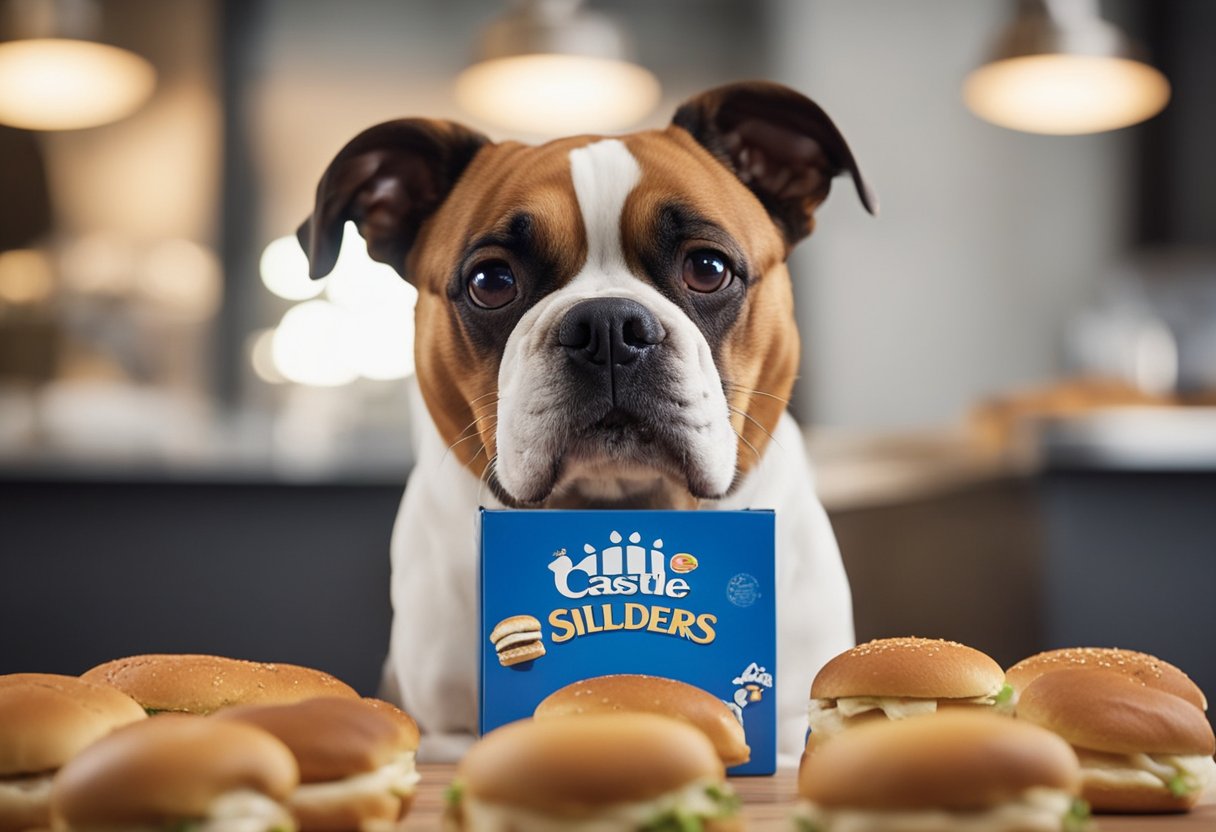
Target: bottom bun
column 706, row 805
column 1144, row 783
column 521, row 654
column 25, row 802
column 455, row 821
column 369, row 813
column 1135, row 798
column 1038, row 810
column 368, row 801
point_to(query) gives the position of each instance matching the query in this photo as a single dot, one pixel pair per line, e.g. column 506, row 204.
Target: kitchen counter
column 767, row 802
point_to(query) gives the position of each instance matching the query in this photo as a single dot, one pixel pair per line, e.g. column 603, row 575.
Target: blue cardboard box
column 684, row 594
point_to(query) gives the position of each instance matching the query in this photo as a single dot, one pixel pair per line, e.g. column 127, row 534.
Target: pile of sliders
column 200, row 744
column 906, row 735
column 912, row 734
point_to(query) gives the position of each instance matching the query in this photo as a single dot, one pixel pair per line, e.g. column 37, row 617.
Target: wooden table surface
column 767, row 802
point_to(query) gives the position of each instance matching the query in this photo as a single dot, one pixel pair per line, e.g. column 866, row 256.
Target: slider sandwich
column 177, row 773
column 517, row 639
column 623, row 772
column 960, row 771
column 895, row 678
column 182, row 683
column 46, row 720
column 1141, row 749
column 636, row 693
column 356, row 760
column 1146, row 669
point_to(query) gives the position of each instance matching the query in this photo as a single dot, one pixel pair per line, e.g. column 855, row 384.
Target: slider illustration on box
column 517, row 639
column 573, row 595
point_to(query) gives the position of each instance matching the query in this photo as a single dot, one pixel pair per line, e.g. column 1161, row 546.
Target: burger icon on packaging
column 517, row 639
column 683, row 563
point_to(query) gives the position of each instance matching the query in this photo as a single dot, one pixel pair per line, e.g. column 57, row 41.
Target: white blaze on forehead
column 604, row 173
column 533, row 379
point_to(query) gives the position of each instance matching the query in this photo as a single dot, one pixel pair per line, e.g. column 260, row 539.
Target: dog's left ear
column 388, row 180
column 780, row 144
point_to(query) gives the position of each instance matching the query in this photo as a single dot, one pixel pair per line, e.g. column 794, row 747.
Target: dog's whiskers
column 739, row 388
column 752, row 419
column 743, row 439
column 484, row 480
column 485, row 407
column 461, row 438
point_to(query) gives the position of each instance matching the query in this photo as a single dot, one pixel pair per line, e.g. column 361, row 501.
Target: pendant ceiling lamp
column 55, row 76
column 553, row 67
column 1059, row 68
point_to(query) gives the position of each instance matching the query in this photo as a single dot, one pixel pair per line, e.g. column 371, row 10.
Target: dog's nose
column 608, row 332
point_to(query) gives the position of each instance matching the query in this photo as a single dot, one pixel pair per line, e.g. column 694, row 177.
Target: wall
column 988, row 240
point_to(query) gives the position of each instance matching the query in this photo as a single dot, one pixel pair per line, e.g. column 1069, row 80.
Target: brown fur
column 757, row 366
column 460, row 387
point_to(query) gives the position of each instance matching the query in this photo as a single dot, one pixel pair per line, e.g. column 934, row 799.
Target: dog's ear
column 780, row 144
column 387, row 180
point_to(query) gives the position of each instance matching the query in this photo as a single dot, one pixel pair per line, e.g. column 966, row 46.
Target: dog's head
column 611, row 318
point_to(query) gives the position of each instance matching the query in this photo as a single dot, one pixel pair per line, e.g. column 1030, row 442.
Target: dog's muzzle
column 610, row 400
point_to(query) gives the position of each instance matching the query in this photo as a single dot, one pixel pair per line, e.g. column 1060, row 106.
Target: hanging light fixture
column 1060, row 68
column 54, row 76
column 553, row 67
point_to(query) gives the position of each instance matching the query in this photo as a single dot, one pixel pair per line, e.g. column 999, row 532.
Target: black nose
column 609, row 331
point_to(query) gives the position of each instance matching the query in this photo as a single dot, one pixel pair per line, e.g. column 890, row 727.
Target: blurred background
column 1008, row 378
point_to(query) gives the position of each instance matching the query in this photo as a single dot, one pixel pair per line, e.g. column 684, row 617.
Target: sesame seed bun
column 1104, row 710
column 918, row 668
column 166, row 769
column 202, row 684
column 514, row 625
column 1146, row 669
column 48, row 719
column 331, row 737
column 656, row 695
column 956, row 761
column 408, row 726
column 572, row 767
column 1112, row 718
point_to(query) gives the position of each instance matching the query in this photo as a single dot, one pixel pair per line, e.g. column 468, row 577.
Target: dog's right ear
column 388, row 180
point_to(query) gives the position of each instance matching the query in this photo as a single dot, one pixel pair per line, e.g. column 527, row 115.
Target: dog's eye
column 492, row 284
column 706, row 270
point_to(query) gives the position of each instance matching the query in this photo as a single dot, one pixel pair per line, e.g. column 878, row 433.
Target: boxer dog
column 601, row 322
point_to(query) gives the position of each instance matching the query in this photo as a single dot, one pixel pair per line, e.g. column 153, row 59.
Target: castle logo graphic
column 619, row 569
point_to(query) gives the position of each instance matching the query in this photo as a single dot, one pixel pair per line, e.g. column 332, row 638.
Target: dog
column 601, row 322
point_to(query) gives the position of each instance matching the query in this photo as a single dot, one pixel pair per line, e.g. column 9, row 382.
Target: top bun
column 957, row 760
column 168, row 768
column 1146, row 669
column 333, row 738
column 514, row 624
column 202, row 684
column 573, row 767
column 919, row 668
column 655, row 695
column 1104, row 710
column 49, row 719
